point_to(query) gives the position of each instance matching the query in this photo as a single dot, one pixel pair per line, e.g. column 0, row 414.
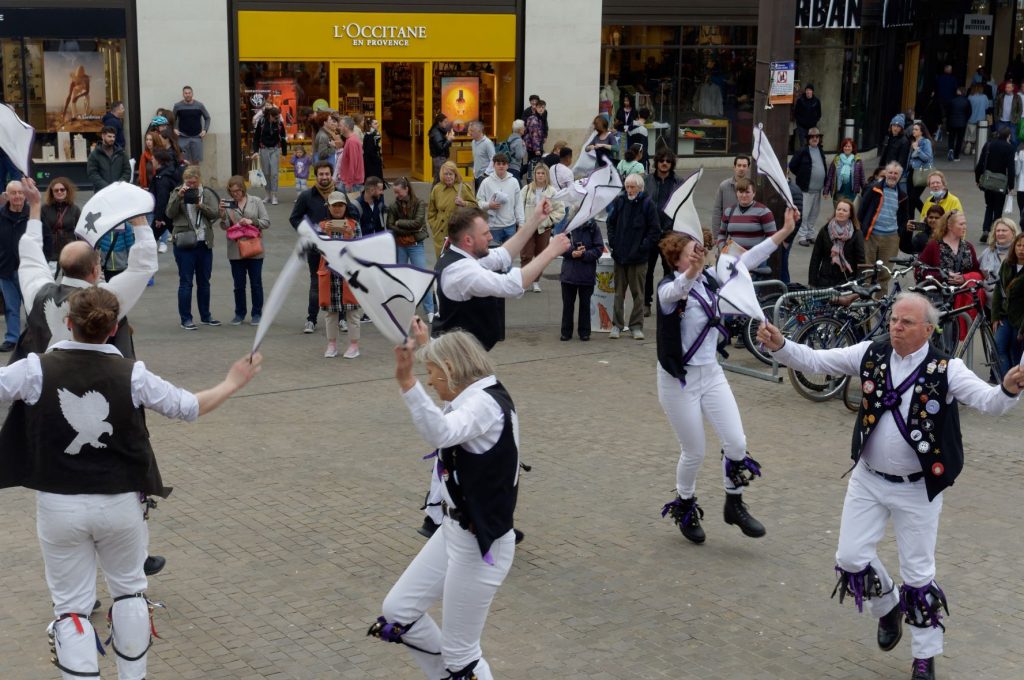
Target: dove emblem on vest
column 87, row 415
column 55, row 315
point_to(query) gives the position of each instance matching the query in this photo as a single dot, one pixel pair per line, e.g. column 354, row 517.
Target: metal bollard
column 982, row 139
column 848, row 129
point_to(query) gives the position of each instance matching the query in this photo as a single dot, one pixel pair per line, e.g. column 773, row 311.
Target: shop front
column 64, row 65
column 399, row 69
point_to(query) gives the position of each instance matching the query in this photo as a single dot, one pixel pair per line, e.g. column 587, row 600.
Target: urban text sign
column 379, row 35
column 828, row 13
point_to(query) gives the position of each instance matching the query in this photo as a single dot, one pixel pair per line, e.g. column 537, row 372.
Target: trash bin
column 604, row 295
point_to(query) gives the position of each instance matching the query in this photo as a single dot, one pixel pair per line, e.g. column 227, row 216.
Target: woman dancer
column 691, row 383
column 463, row 563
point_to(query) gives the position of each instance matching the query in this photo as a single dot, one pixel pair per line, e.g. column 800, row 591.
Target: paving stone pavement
column 295, row 507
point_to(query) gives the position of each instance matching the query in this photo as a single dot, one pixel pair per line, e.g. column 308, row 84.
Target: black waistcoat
column 932, row 428
column 84, row 435
column 484, row 485
column 49, row 310
column 484, row 317
column 670, row 331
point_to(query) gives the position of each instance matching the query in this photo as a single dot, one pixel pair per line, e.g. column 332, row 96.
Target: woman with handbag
column 192, row 209
column 535, row 192
column 993, row 174
column 446, row 196
column 407, row 220
column 245, row 250
column 921, row 159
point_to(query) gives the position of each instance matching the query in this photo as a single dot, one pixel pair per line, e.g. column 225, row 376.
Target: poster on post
column 783, row 75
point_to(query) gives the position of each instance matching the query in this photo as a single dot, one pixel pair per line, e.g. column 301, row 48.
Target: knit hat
column 898, row 119
column 158, row 120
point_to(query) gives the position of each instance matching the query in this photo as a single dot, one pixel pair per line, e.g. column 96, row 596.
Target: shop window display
column 697, row 81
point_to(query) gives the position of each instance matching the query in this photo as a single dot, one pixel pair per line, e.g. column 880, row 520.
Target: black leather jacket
column 439, row 143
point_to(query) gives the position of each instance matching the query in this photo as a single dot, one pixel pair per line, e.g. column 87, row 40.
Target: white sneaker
column 626, row 332
column 343, row 325
column 162, row 248
column 332, row 350
column 638, row 334
column 352, row 352
column 535, row 287
column 309, row 327
column 614, row 333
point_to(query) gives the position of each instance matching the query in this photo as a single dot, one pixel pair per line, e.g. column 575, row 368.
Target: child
column 637, row 136
column 630, row 165
column 301, row 163
column 335, row 296
column 579, row 273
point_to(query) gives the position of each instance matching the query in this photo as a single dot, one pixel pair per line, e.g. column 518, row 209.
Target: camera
column 191, row 196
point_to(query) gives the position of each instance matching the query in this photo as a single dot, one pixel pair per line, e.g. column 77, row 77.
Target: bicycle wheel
column 750, row 334
column 853, row 393
column 989, row 369
column 822, row 333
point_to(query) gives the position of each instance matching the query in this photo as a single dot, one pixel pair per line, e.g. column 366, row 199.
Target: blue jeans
column 417, row 257
column 12, row 307
column 254, row 269
column 501, row 234
column 1008, row 348
column 784, row 250
column 194, row 263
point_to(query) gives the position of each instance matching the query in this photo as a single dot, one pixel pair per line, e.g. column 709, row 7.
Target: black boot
column 428, row 527
column 736, row 513
column 890, row 629
column 154, row 564
column 687, row 515
column 923, row 669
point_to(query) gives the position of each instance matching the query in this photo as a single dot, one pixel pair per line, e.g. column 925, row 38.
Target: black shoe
column 210, row 322
column 153, row 565
column 983, row 241
column 584, row 338
column 7, row 346
column 687, row 515
column 519, row 536
column 890, row 629
column 428, row 528
column 923, row 669
column 563, row 338
column 736, row 513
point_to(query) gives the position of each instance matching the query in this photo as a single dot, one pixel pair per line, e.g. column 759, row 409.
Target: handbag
column 921, row 176
column 993, row 181
column 256, row 176
column 250, row 247
column 186, row 240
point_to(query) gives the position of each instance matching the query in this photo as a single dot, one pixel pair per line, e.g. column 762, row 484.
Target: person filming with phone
column 193, row 209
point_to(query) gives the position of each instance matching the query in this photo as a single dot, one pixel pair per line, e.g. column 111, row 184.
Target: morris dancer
column 691, row 384
column 464, row 563
column 77, row 435
column 906, row 450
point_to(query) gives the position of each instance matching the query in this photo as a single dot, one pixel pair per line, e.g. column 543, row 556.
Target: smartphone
column 919, row 226
column 229, row 203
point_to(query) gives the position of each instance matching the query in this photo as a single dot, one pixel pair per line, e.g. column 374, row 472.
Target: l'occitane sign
column 323, row 36
column 370, row 36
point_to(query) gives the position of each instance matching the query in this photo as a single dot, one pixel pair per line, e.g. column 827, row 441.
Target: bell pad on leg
column 740, row 472
column 466, row 673
column 862, row 585
column 923, row 606
column 51, row 634
column 393, row 632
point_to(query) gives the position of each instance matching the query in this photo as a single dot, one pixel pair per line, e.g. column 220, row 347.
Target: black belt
column 458, row 516
column 896, row 479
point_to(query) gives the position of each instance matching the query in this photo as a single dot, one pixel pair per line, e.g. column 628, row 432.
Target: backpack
column 505, row 147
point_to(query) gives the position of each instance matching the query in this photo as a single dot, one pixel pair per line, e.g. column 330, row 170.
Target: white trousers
column 870, row 502
column 809, row 216
column 706, row 394
column 75, row 532
column 449, row 567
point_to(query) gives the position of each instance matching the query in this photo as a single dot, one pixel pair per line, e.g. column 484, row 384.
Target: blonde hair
column 454, row 169
column 192, row 171
column 1005, row 221
column 942, row 228
column 547, row 175
column 458, row 355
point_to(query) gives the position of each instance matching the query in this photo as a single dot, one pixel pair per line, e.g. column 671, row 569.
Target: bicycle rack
column 773, row 375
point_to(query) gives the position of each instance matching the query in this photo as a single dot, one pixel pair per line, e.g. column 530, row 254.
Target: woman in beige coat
column 445, row 198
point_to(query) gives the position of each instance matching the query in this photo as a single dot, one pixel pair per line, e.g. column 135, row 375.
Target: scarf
column 840, row 234
column 845, row 169
column 325, row 192
column 62, row 208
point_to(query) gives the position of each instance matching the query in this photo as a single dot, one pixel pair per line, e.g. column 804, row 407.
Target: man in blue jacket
column 633, row 230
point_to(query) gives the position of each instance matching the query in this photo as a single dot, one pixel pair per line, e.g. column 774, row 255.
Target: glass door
column 420, row 162
column 355, row 89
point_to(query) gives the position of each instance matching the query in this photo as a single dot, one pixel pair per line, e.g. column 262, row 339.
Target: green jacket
column 104, row 170
column 209, row 208
column 1008, row 297
column 415, row 225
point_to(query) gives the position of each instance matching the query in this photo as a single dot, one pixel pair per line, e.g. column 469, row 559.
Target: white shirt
column 34, row 271
column 473, row 420
column 693, row 321
column 886, row 450
column 471, row 277
column 508, row 214
column 561, row 176
column 23, row 380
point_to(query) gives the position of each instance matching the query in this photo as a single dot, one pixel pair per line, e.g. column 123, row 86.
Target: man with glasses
column 907, row 449
column 659, row 187
column 726, row 197
column 883, row 208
